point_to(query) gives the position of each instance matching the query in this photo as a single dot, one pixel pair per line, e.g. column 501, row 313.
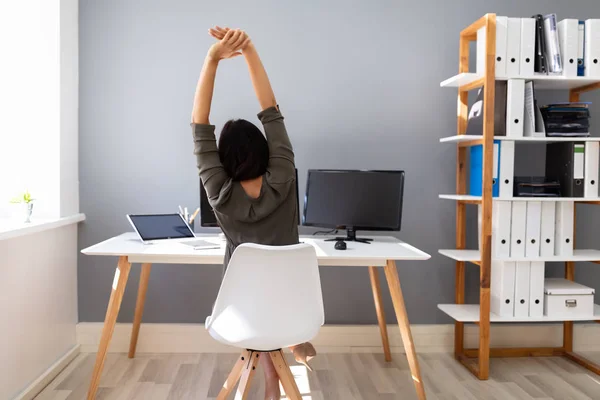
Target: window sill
column 10, row 229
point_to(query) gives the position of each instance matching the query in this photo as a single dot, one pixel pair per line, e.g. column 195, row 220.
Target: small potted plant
column 27, row 202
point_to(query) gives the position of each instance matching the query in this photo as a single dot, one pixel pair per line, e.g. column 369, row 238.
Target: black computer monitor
column 354, row 200
column 207, row 215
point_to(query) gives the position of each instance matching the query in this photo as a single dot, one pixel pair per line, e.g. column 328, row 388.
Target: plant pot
column 27, row 210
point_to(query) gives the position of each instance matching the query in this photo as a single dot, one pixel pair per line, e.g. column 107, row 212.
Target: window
column 38, row 104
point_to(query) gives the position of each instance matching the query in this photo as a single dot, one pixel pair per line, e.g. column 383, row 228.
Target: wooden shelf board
column 474, row 256
column 469, row 138
column 470, row 313
column 541, row 82
column 473, row 199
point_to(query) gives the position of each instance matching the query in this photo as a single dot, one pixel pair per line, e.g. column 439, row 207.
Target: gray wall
column 358, row 82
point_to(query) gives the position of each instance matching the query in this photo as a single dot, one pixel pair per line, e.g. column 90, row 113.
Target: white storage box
column 566, row 299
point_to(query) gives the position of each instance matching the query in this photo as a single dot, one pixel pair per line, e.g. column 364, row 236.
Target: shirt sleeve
column 210, row 169
column 281, row 154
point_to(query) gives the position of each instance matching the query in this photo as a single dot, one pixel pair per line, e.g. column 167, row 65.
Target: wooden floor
column 336, row 377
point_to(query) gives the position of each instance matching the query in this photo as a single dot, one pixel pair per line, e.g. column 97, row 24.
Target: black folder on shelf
column 565, row 161
column 541, row 62
column 475, row 119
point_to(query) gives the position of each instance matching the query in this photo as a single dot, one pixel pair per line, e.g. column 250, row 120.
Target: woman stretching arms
column 250, row 181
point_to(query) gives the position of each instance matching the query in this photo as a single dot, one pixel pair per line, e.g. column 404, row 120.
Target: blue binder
column 476, row 170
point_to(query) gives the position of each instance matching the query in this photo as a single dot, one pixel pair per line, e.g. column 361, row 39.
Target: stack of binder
column 567, row 119
column 541, row 45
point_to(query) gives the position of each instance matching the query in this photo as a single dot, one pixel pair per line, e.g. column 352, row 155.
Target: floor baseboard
column 43, row 380
column 193, row 338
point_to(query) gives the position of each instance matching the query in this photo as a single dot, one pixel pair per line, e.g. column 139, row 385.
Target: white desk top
column 357, row 254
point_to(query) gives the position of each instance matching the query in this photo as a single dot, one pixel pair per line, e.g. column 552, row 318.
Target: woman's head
column 243, row 150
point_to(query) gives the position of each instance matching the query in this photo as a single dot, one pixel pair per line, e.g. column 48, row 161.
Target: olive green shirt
column 270, row 219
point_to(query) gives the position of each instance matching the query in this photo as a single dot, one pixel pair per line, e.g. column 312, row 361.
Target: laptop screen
column 161, row 226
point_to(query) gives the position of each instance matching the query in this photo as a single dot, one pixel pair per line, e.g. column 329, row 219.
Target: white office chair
column 270, row 299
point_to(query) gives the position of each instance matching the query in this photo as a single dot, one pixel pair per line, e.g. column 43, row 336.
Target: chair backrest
column 275, row 292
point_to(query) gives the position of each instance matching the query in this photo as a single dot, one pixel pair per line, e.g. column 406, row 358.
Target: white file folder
column 515, row 107
column 592, row 48
column 568, row 37
column 513, row 47
column 506, row 167
column 547, row 230
column 522, row 288
column 502, row 288
column 501, row 31
column 563, row 238
column 533, row 228
column 518, row 223
column 591, row 169
column 536, row 289
column 527, row 59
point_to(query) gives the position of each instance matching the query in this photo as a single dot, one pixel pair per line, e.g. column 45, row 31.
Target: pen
column 180, row 210
column 185, row 213
column 194, row 215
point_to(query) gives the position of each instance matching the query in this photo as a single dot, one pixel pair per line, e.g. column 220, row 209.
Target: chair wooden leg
column 391, row 274
column 139, row 308
column 285, row 375
column 376, row 286
column 234, row 375
column 247, row 375
column 112, row 311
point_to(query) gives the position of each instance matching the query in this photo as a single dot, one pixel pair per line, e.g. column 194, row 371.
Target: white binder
column 591, row 169
column 515, row 107
column 517, row 229
column 547, row 229
column 501, row 212
column 592, row 48
column 568, row 37
column 501, row 31
column 536, row 289
column 533, row 227
column 563, row 238
column 507, row 168
column 527, row 59
column 513, row 47
column 502, row 288
column 522, row 288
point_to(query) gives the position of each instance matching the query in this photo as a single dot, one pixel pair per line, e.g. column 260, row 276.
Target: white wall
column 38, row 311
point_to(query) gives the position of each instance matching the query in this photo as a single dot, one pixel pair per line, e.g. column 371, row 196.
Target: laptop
column 162, row 228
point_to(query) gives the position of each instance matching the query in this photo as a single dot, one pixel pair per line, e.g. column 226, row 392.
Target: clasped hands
column 231, row 43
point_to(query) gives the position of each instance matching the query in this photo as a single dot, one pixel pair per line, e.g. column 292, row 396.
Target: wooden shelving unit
column 477, row 360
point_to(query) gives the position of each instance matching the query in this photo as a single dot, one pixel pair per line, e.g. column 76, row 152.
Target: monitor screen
column 207, row 215
column 160, row 226
column 368, row 200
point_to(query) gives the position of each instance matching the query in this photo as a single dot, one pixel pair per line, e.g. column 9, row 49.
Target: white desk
column 383, row 252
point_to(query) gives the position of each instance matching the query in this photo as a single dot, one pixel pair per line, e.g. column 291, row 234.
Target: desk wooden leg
column 391, row 274
column 139, row 307
column 114, row 304
column 375, row 285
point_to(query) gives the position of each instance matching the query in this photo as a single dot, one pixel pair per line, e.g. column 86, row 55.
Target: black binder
column 565, row 161
column 541, row 62
column 475, row 120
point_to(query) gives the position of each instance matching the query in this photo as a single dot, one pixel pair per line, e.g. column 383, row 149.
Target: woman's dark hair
column 243, row 150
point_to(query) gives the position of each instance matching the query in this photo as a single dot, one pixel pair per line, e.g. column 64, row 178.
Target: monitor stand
column 351, row 237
